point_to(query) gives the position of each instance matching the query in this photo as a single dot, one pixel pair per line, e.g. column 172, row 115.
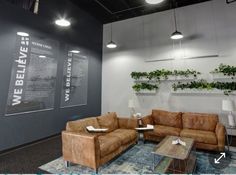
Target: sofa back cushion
column 108, row 121
column 199, row 121
column 166, row 118
column 80, row 125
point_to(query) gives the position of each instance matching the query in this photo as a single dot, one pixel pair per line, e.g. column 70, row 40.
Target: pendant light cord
column 175, row 20
column 174, row 2
column 111, row 31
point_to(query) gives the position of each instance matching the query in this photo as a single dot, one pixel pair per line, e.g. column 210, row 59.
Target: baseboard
column 28, row 144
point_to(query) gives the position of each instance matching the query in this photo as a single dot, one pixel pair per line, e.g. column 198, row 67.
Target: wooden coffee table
column 169, row 158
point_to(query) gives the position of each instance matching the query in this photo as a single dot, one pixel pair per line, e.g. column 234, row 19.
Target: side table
column 142, row 130
column 229, row 140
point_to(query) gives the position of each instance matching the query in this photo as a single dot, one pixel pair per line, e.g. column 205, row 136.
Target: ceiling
column 108, row 11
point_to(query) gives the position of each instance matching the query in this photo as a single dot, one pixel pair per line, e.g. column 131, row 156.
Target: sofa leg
column 67, row 164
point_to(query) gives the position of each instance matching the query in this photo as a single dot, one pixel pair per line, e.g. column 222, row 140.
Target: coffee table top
column 166, row 148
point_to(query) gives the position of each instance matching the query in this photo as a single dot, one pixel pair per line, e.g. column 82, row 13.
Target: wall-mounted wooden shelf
column 146, row 92
column 222, row 77
column 170, row 78
column 197, row 91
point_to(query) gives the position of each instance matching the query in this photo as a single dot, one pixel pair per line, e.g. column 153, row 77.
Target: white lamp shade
column 228, row 105
column 131, row 104
column 154, row 1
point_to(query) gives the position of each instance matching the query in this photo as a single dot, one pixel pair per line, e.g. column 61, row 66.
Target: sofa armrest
column 81, row 148
column 220, row 135
column 128, row 123
column 147, row 120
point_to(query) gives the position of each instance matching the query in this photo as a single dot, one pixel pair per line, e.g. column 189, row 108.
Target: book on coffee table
column 178, row 142
column 92, row 129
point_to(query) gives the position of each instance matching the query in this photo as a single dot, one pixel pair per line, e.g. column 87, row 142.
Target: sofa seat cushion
column 125, row 135
column 200, row 136
column 108, row 144
column 162, row 131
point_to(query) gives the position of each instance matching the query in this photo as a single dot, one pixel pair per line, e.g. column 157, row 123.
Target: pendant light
column 111, row 44
column 154, row 1
column 176, row 35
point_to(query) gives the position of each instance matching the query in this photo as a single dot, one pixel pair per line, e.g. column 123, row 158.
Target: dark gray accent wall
column 85, row 32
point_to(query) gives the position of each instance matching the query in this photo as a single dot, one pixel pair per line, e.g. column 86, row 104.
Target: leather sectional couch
column 94, row 149
column 205, row 129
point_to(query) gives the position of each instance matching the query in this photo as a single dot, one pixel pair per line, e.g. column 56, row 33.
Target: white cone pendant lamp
column 154, row 1
column 176, row 35
column 111, row 44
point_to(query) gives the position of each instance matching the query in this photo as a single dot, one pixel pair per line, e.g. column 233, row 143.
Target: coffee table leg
column 153, row 163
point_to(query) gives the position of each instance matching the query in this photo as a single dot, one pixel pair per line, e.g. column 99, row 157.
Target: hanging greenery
column 227, row 70
column 138, row 75
column 144, row 86
column 163, row 74
column 227, row 87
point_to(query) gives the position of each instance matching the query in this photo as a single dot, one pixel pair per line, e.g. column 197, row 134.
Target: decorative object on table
column 131, row 105
column 149, row 127
column 138, row 115
column 178, row 142
column 228, row 105
column 92, row 129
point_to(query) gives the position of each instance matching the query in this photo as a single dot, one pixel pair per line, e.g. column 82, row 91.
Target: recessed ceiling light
column 42, row 56
column 111, row 45
column 154, row 1
column 62, row 22
column 75, row 51
column 22, row 34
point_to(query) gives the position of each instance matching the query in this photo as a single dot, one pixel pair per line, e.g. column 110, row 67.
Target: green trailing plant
column 227, row 87
column 138, row 75
column 227, row 70
column 185, row 73
column 159, row 74
column 144, row 86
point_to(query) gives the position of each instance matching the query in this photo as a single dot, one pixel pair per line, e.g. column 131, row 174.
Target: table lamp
column 228, row 105
column 131, row 106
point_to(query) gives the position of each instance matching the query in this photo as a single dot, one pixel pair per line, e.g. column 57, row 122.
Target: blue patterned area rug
column 137, row 160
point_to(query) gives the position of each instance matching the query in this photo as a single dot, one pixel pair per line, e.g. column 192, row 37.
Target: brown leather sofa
column 94, row 149
column 205, row 129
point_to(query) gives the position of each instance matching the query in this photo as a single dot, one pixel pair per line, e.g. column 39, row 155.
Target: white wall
column 209, row 28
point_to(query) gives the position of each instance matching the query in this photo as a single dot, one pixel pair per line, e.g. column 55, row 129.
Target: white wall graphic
column 33, row 78
column 75, row 79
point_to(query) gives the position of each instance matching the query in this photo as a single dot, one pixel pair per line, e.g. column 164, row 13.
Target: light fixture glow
column 62, row 22
column 111, row 45
column 42, row 56
column 154, row 1
column 22, row 34
column 75, row 51
column 176, row 35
